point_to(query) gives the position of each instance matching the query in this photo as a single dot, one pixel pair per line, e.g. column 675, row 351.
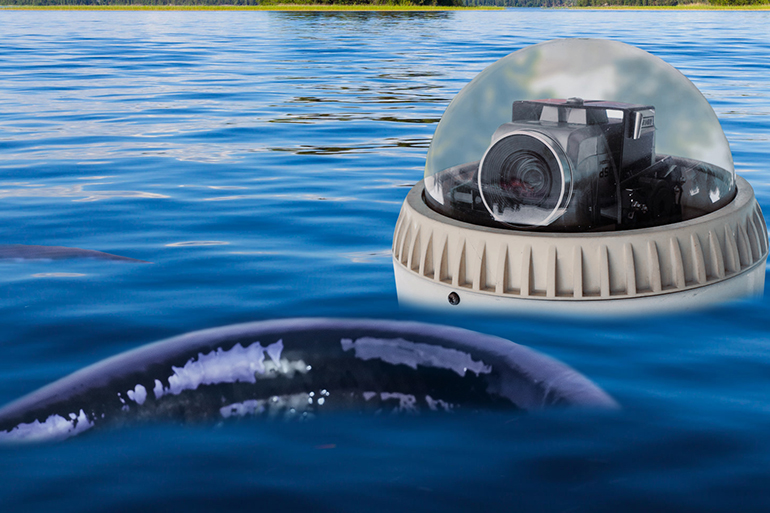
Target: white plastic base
column 416, row 291
column 676, row 267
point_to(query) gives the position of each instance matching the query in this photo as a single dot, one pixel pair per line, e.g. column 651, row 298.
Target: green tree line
column 602, row 3
column 479, row 3
column 592, row 3
column 447, row 3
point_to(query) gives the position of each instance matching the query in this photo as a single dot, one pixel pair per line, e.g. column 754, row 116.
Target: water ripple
column 293, row 138
column 74, row 191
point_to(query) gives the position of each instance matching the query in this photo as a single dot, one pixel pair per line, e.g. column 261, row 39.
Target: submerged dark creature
column 31, row 252
column 295, row 368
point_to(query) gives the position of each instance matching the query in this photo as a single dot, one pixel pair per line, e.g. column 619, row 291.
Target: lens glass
column 521, row 180
column 526, row 178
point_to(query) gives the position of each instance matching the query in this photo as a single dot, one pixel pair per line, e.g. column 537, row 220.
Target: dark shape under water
column 295, row 368
column 31, row 252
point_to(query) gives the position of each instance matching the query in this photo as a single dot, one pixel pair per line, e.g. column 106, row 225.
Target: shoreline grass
column 277, row 7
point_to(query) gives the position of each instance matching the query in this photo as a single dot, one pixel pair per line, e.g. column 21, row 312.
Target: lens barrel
column 525, row 179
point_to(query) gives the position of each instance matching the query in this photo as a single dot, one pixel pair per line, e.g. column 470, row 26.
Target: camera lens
column 525, row 179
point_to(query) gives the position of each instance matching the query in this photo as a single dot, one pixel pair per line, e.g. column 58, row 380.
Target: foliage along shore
column 267, row 5
column 232, row 7
column 381, row 5
column 630, row 4
column 677, row 7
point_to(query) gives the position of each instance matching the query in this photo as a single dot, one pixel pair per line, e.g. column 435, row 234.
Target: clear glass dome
column 579, row 134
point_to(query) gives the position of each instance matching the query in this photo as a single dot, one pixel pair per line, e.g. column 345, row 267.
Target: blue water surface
column 259, row 160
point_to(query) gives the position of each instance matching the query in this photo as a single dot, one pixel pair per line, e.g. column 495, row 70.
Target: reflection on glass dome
column 624, row 141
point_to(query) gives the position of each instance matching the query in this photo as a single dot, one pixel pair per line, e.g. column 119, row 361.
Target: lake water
column 259, row 160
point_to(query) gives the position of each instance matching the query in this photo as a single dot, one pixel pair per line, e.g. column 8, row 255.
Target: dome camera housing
column 579, row 176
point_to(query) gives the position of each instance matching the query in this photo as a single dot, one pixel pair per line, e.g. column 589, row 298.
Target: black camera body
column 567, row 165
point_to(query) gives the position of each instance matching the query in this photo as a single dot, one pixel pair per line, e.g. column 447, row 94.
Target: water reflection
column 58, row 275
column 299, row 196
column 254, row 252
column 381, row 99
column 391, row 184
column 75, row 191
column 369, row 17
column 218, row 98
column 359, row 148
column 366, row 257
column 197, row 243
column 311, row 119
column 216, row 187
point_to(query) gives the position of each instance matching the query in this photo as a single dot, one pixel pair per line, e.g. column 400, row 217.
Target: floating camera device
column 579, row 176
column 569, row 165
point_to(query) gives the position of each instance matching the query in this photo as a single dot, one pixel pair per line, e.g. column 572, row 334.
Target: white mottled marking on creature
column 288, row 406
column 406, row 402
column 138, row 394
column 369, row 395
column 412, row 354
column 283, row 366
column 242, row 409
column 54, row 427
column 435, row 404
column 274, row 351
column 158, row 390
column 220, row 366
